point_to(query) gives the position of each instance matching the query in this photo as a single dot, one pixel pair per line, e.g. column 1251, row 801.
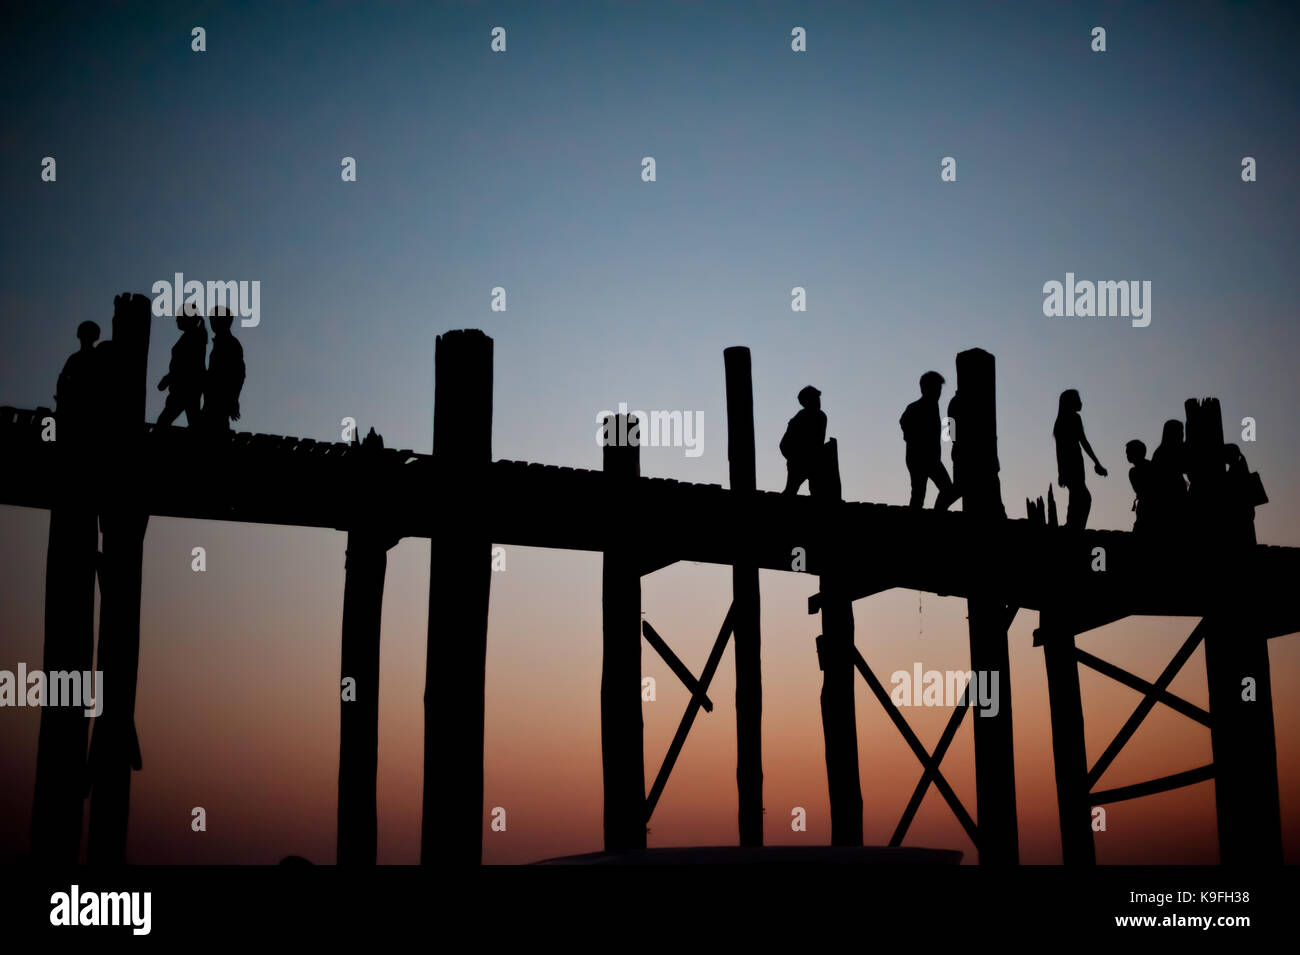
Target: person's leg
column 793, row 478
column 193, row 412
column 171, row 409
column 939, row 475
column 919, row 481
column 1080, row 505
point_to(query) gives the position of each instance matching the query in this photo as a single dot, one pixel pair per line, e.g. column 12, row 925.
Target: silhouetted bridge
column 466, row 502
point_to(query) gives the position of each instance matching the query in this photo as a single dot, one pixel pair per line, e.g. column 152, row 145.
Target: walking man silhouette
column 184, row 379
column 1070, row 438
column 921, row 429
column 804, row 438
column 225, row 376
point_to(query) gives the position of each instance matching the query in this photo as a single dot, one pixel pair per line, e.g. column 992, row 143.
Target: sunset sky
column 522, row 169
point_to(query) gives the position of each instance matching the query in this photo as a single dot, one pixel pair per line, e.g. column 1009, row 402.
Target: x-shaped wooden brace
column 699, row 698
column 929, row 762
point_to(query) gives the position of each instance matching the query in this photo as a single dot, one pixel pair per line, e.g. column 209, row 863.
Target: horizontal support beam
column 1163, row 784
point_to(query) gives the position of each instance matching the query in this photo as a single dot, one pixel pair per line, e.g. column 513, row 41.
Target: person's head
column 931, row 384
column 1173, row 433
column 1135, row 451
column 189, row 317
column 810, row 398
column 88, row 334
column 221, row 319
column 1070, row 402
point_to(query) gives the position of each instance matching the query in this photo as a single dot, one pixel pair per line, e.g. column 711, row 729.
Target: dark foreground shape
column 766, row 855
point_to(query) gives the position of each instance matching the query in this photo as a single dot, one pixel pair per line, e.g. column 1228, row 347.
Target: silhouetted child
column 803, row 441
column 74, row 395
column 184, row 379
column 225, row 376
column 1070, row 438
column 921, row 431
column 1140, row 476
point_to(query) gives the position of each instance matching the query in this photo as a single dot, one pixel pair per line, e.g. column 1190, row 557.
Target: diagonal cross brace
column 1147, row 705
column 940, row 783
column 692, row 708
column 931, row 769
column 1177, row 703
column 676, row 665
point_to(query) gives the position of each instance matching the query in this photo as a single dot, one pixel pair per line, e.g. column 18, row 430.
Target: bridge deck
column 271, row 479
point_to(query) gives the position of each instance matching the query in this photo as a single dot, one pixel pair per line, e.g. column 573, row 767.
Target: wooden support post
column 976, row 449
column 460, row 583
column 115, row 747
column 58, row 805
column 745, row 603
column 835, row 653
column 1069, row 751
column 363, row 598
column 1243, row 742
column 622, row 734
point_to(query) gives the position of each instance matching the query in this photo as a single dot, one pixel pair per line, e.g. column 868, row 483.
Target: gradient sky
column 522, row 170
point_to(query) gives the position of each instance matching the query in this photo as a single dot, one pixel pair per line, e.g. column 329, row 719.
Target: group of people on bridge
column 1222, row 489
column 205, row 388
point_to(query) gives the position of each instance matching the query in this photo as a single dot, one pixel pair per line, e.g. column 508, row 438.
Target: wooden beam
column 1069, row 750
column 745, row 605
column 622, row 734
column 1242, row 739
column 675, row 664
column 1163, row 784
column 1190, row 710
column 460, row 583
column 931, row 769
column 1146, row 705
column 365, row 564
column 835, row 649
column 688, row 718
column 975, row 461
column 909, row 737
column 115, row 747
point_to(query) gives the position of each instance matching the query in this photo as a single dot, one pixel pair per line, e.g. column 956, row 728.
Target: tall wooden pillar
column 835, row 657
column 622, row 738
column 363, row 599
column 1069, row 752
column 976, row 444
column 58, row 805
column 115, row 747
column 745, row 605
column 1242, row 739
column 460, row 580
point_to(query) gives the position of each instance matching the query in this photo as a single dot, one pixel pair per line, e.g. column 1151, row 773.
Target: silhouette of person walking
column 1070, row 438
column 184, row 379
column 74, row 395
column 1141, row 476
column 921, row 430
column 225, row 375
column 804, row 438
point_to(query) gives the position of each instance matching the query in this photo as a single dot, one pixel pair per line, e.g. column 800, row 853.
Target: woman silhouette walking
column 1070, row 443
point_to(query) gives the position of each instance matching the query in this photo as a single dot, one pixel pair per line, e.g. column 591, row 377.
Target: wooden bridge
column 466, row 502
